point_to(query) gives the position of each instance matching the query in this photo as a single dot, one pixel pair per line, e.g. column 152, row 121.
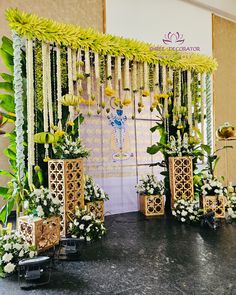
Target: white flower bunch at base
column 211, row 186
column 92, row 191
column 84, row 226
column 40, row 203
column 186, row 211
column 149, row 185
column 13, row 249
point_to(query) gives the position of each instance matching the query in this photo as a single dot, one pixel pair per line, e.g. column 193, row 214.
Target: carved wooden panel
column 42, row 233
column 97, row 208
column 66, row 182
column 216, row 204
column 181, row 178
column 152, row 205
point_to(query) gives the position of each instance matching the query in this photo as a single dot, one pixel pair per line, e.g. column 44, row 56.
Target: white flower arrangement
column 180, row 146
column 92, row 191
column 211, row 186
column 186, row 211
column 40, row 203
column 149, row 185
column 67, row 148
column 84, row 226
column 13, row 249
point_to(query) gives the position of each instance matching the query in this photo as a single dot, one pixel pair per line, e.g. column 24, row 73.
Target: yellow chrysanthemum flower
column 59, row 133
column 145, row 92
column 127, row 101
column 46, row 159
column 109, row 91
column 70, row 123
column 180, row 127
column 117, row 101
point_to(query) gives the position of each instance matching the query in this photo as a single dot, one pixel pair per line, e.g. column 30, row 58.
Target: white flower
column 86, row 217
column 45, row 202
column 7, row 247
column 31, row 254
column 56, row 201
column 9, row 267
column 18, row 246
column 21, row 254
column 183, row 219
column 88, row 230
column 191, row 217
column 88, row 239
column 76, row 223
column 7, row 257
column 39, row 210
column 26, row 204
column 81, row 238
column 184, row 213
column 81, row 226
column 51, row 209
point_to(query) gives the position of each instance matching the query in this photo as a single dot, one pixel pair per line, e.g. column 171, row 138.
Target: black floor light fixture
column 34, row 272
column 68, row 249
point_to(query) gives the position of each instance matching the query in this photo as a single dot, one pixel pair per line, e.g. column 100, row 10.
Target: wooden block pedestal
column 181, row 178
column 152, row 205
column 96, row 208
column 42, row 233
column 66, row 182
column 214, row 203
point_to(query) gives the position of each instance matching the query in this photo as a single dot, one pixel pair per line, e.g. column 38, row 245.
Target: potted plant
column 213, row 198
column 41, row 224
column 151, row 193
column 85, row 226
column 94, row 197
column 12, row 249
column 186, row 210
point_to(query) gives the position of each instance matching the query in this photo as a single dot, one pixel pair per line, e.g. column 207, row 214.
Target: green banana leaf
column 6, row 173
column 6, row 210
column 7, row 59
column 7, row 103
column 7, row 77
column 7, row 86
column 7, row 45
column 10, row 154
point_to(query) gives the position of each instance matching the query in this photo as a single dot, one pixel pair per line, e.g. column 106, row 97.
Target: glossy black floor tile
column 147, row 256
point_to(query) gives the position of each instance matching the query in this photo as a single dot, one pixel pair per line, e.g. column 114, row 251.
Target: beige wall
column 224, row 44
column 87, row 13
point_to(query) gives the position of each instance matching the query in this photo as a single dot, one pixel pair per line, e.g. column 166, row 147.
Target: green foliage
column 12, row 193
column 212, row 158
column 39, row 75
column 34, row 27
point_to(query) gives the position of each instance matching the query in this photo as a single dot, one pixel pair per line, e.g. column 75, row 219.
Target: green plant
column 212, row 158
column 13, row 192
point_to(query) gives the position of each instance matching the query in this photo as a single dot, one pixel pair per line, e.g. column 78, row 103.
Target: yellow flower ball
column 126, row 102
column 46, row 159
column 70, row 123
column 109, row 91
column 145, row 92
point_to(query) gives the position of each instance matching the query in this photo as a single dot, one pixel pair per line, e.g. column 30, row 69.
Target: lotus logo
column 173, row 38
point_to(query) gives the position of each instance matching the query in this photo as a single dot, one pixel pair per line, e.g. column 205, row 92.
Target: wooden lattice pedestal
column 152, row 205
column 181, row 178
column 214, row 203
column 42, row 233
column 97, row 208
column 66, row 182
